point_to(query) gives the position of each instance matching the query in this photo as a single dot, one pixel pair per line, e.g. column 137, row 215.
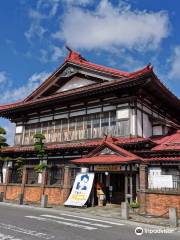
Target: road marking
column 60, row 222
column 92, row 219
column 26, row 231
column 8, row 237
column 76, row 220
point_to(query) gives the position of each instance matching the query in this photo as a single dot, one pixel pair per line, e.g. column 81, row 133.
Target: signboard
column 160, row 181
column 107, row 168
column 81, row 190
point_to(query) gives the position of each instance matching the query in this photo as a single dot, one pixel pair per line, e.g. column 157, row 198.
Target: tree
column 2, row 144
column 40, row 149
column 20, row 161
column 2, row 138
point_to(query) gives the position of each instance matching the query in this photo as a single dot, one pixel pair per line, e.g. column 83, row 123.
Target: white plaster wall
column 39, row 178
column 122, row 113
column 139, row 123
column 4, row 171
column 147, row 126
column 75, row 83
column 157, row 130
column 132, row 122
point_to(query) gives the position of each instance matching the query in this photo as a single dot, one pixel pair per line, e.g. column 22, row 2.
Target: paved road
column 19, row 223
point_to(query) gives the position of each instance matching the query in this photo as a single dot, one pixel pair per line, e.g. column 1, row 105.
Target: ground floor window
column 32, row 176
column 55, row 175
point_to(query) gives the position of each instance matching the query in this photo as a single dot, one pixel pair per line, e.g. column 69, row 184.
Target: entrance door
column 113, row 186
column 117, row 181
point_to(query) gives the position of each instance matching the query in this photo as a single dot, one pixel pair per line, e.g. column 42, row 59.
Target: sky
column 124, row 34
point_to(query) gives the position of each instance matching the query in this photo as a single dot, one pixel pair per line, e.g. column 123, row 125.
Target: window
column 32, row 176
column 55, row 175
column 96, row 126
column 123, row 128
column 74, row 172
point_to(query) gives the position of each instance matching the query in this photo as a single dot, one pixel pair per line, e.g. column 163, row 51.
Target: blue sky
column 126, row 34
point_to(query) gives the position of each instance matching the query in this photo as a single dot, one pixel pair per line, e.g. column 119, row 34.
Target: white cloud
column 3, row 77
column 174, row 63
column 13, row 94
column 79, row 2
column 110, row 26
column 57, row 53
column 52, row 54
column 43, row 11
column 35, row 30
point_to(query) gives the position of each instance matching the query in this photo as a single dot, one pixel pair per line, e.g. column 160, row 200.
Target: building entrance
column 109, row 188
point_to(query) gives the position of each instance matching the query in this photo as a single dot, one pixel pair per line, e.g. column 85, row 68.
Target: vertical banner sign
column 81, row 190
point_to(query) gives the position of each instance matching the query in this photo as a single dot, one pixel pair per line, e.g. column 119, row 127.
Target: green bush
column 134, row 204
column 40, row 167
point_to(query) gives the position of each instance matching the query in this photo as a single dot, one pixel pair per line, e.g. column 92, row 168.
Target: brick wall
column 1, row 188
column 55, row 195
column 12, row 192
column 158, row 203
column 32, row 194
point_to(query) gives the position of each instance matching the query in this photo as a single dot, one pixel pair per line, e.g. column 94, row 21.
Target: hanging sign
column 107, row 168
column 81, row 190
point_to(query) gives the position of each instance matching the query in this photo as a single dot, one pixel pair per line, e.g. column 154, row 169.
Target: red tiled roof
column 75, row 145
column 76, row 58
column 156, row 159
column 104, row 159
column 170, row 142
column 120, row 155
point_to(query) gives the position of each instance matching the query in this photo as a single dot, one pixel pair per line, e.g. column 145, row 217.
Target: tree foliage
column 40, row 149
column 3, row 138
column 20, row 161
column 39, row 145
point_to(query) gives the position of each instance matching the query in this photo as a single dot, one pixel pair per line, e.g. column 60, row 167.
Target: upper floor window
column 82, row 127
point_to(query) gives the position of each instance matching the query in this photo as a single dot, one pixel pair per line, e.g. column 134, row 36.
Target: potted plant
column 135, row 206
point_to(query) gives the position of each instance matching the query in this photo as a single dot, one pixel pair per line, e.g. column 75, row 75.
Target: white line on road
column 76, row 220
column 93, row 219
column 8, row 237
column 63, row 223
column 26, row 231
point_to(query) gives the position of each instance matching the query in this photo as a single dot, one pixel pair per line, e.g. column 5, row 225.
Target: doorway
column 111, row 185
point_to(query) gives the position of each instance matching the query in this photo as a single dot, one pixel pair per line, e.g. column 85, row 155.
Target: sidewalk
column 110, row 211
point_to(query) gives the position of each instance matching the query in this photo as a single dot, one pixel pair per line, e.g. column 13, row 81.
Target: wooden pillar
column 143, row 176
column 126, row 184
column 143, row 181
column 131, row 184
column 67, row 182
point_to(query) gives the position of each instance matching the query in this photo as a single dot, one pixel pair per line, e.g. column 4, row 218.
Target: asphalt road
column 20, row 223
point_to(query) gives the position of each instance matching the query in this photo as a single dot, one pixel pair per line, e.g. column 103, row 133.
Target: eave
column 86, row 91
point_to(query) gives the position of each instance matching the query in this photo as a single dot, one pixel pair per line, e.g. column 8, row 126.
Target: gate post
column 125, row 210
column 173, row 217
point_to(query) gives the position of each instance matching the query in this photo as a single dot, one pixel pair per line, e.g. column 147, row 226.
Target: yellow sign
column 107, row 168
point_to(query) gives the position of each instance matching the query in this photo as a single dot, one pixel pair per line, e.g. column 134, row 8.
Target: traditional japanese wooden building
column 122, row 126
